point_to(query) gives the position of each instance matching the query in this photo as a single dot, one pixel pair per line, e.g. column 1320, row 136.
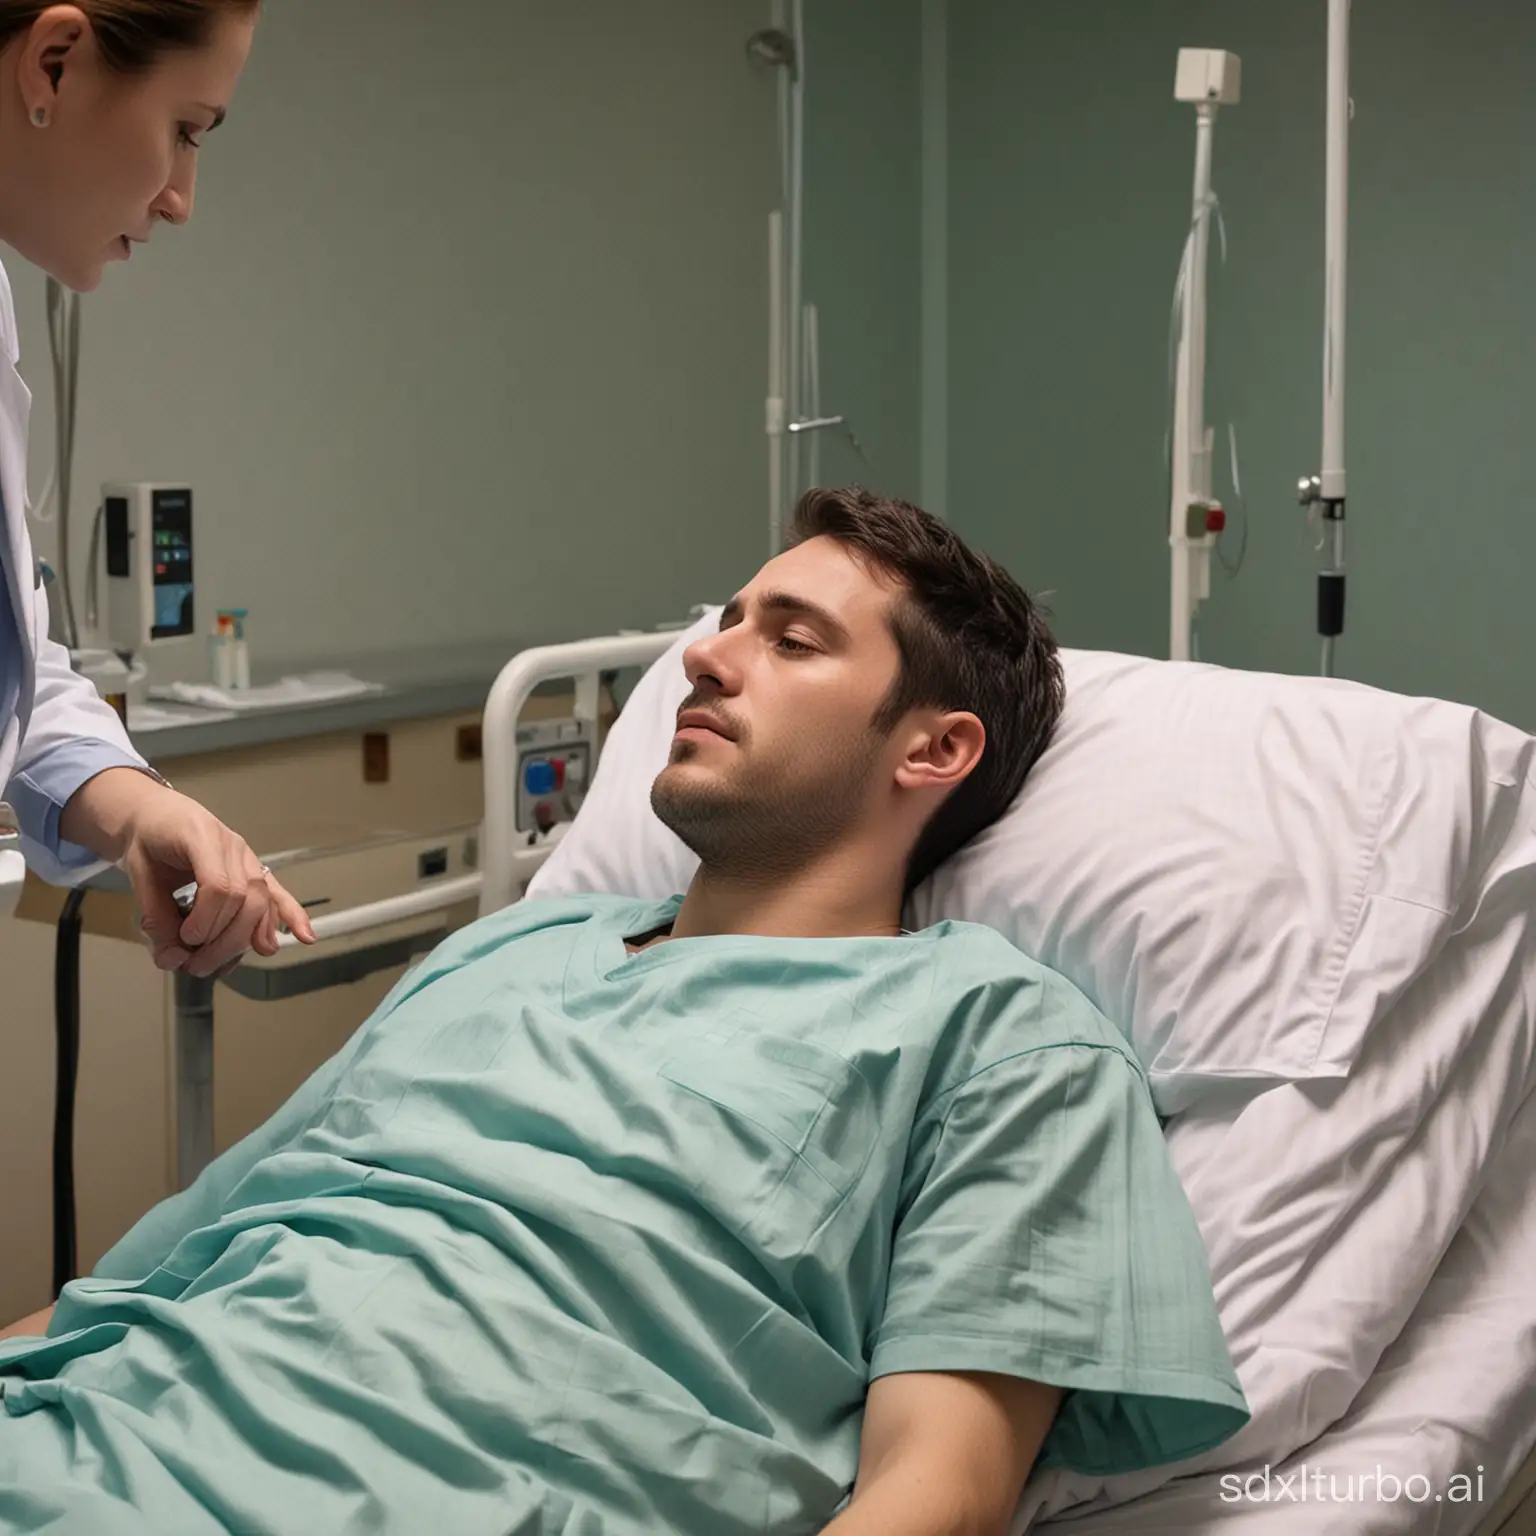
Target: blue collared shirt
column 39, row 792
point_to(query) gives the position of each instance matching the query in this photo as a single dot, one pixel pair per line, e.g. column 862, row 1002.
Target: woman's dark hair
column 969, row 639
column 132, row 34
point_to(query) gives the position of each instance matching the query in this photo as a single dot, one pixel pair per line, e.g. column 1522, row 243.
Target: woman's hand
column 163, row 841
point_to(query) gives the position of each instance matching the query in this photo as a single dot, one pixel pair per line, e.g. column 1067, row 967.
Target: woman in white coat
column 103, row 106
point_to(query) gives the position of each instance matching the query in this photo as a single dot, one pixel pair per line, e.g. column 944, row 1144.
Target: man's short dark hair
column 969, row 638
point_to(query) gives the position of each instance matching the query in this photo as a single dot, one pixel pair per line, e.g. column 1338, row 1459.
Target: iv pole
column 1324, row 493
column 1210, row 79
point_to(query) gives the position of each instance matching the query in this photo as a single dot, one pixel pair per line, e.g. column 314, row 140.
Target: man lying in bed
column 687, row 1217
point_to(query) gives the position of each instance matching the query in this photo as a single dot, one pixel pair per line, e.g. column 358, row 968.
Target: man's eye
column 184, row 134
column 795, row 647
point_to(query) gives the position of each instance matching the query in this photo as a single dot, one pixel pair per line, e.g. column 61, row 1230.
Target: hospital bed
column 1312, row 907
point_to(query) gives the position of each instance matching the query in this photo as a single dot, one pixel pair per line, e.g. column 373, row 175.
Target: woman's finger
column 292, row 914
column 222, row 889
column 171, row 957
column 264, row 940
column 161, row 922
column 249, row 901
column 235, row 940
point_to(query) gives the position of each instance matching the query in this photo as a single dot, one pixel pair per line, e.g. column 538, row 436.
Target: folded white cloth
column 143, row 718
column 288, row 693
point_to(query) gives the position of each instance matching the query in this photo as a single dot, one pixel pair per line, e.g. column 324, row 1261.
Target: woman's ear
column 57, row 34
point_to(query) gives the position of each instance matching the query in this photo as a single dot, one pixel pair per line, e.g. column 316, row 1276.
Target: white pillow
column 1242, row 871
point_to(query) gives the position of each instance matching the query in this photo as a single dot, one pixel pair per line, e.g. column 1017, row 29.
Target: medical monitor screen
column 171, row 551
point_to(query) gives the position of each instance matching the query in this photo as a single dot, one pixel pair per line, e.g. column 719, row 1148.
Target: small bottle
column 242, row 664
column 221, row 653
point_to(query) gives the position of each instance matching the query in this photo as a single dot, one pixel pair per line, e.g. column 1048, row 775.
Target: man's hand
column 36, row 1325
column 163, row 840
column 945, row 1455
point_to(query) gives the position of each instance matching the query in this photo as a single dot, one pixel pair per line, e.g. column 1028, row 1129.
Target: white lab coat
column 56, row 704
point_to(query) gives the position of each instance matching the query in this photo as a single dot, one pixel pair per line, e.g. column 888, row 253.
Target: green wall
column 469, row 342
column 1069, row 175
column 863, row 182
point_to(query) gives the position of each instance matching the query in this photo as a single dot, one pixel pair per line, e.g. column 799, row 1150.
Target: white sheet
column 1453, row 1395
column 1327, row 1207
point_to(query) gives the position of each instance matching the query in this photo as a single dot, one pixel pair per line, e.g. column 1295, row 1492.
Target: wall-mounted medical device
column 1208, row 74
column 554, row 767
column 147, row 568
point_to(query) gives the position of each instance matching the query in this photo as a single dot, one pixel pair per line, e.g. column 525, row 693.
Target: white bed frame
column 507, row 866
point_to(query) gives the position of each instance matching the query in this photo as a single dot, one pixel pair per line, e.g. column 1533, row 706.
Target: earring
column 40, row 117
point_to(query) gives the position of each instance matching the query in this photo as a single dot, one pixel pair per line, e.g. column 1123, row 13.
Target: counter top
column 416, row 685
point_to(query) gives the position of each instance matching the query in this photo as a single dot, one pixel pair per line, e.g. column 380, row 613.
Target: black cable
column 66, row 1018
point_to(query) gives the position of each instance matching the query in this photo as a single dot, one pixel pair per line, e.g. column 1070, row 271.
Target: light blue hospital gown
column 569, row 1242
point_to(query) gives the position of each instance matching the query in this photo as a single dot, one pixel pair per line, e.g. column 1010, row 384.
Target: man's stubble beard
column 748, row 833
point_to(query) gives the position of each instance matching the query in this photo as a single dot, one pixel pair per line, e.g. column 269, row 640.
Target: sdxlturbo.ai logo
column 1315, row 1485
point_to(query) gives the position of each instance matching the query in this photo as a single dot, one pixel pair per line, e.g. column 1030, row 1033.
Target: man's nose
column 707, row 665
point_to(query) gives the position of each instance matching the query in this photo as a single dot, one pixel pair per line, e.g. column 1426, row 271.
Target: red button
column 1215, row 520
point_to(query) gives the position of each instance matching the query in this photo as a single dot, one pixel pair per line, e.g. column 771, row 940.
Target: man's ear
column 943, row 750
